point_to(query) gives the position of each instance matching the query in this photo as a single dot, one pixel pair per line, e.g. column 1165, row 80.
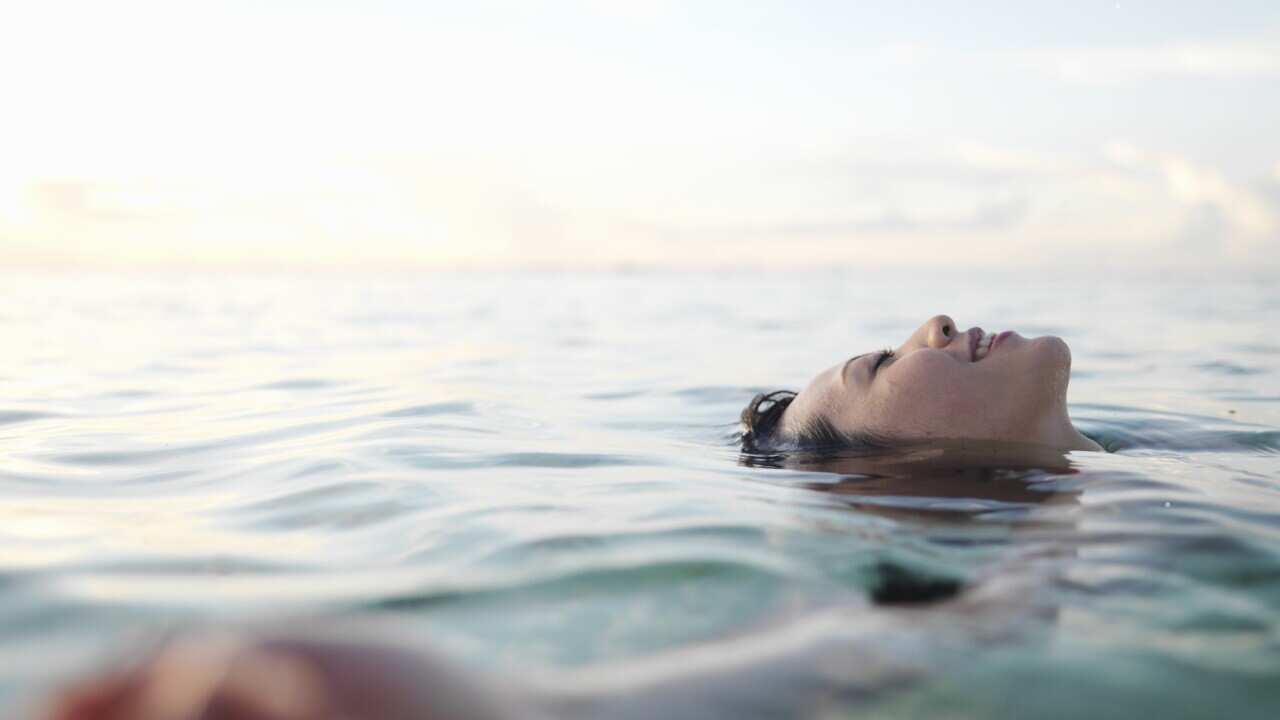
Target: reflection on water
column 956, row 482
column 533, row 474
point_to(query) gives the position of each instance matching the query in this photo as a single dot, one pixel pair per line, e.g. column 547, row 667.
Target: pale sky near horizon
column 598, row 133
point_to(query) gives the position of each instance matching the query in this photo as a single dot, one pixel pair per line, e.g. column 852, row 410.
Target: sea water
column 534, row 474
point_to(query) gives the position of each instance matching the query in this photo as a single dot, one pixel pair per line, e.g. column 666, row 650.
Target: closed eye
column 881, row 357
column 884, row 355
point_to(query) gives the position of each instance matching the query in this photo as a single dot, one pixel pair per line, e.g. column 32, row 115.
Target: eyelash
column 884, row 355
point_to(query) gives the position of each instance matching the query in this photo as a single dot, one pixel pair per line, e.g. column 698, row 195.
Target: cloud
column 960, row 201
column 1102, row 65
column 1119, row 65
column 987, row 216
column 1213, row 212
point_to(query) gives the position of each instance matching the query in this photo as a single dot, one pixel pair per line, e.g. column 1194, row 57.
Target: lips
column 984, row 344
column 999, row 338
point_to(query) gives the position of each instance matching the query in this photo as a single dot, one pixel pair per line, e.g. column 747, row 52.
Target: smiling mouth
column 983, row 345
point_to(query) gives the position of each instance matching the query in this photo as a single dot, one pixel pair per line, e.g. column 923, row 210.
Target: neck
column 1058, row 431
column 1084, row 443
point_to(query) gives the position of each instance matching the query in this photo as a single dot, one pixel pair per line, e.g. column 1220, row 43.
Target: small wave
column 744, row 535
column 321, row 467
column 1221, row 367
column 444, row 408
column 124, row 457
column 432, row 458
column 582, row 582
column 1157, row 435
column 148, row 455
column 1257, row 348
column 1128, row 428
column 1240, row 397
column 717, row 393
column 561, row 460
column 347, row 504
column 619, row 395
column 8, row 417
column 297, row 384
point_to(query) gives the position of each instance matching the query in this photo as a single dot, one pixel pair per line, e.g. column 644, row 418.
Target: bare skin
column 944, row 383
column 217, row 676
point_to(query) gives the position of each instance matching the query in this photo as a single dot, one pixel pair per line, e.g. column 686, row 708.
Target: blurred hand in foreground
column 225, row 677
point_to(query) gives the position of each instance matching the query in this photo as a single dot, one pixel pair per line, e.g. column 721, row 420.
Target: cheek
column 924, row 398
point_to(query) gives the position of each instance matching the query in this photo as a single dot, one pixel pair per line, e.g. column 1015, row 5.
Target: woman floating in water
column 940, row 385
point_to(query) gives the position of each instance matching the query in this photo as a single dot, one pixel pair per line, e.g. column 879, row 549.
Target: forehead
column 827, row 392
column 848, row 373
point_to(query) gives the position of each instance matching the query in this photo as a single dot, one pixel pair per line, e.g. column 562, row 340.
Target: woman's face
column 946, row 383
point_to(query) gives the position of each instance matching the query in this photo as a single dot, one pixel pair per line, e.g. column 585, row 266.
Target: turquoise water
column 533, row 473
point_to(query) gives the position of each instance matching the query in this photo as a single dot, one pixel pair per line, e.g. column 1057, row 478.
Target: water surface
column 533, row 473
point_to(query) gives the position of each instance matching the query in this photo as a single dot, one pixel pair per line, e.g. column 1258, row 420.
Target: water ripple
column 8, row 417
column 1222, row 367
column 555, row 483
column 445, row 408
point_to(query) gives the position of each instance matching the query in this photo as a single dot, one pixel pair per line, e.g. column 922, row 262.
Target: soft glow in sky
column 597, row 133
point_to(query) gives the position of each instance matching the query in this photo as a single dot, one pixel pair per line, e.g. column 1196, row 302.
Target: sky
column 599, row 133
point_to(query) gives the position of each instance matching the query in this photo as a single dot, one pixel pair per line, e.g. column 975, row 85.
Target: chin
column 1052, row 360
column 1052, row 350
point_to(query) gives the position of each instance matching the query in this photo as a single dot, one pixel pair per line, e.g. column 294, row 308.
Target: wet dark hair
column 761, row 433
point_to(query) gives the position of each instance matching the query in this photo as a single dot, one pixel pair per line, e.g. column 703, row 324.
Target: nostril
column 946, row 331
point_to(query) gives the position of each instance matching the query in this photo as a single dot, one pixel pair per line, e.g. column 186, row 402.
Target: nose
column 939, row 331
